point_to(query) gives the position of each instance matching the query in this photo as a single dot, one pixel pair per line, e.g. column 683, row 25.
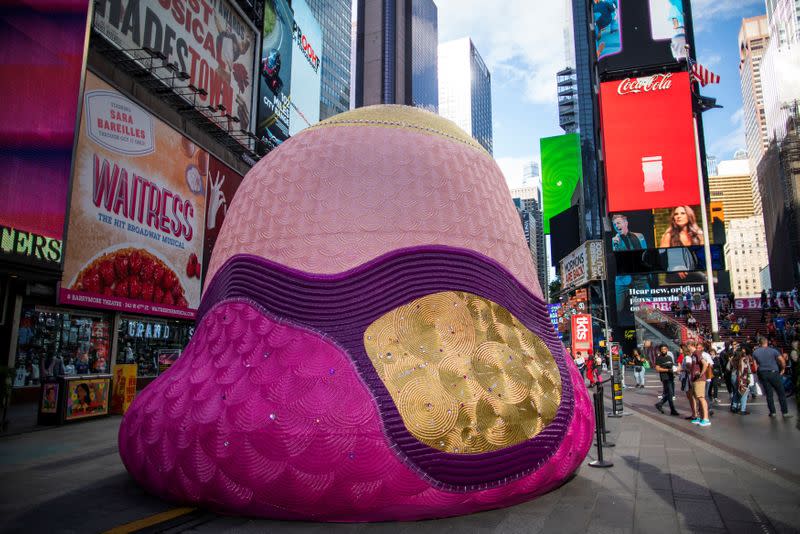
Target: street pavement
column 742, row 474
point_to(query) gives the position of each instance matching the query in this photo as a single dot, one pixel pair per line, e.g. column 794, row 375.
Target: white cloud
column 709, row 59
column 707, row 12
column 522, row 42
column 726, row 145
column 512, row 169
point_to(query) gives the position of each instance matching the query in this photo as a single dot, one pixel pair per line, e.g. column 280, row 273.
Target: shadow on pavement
column 703, row 508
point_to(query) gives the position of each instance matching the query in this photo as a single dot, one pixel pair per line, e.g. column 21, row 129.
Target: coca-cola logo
column 657, row 82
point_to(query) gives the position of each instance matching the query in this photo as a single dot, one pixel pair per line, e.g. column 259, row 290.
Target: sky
column 523, row 44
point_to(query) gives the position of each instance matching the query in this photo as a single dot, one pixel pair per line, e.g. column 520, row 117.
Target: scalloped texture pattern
column 334, row 197
column 247, row 422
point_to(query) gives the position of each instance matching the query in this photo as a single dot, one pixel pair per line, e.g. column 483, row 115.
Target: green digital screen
column 561, row 173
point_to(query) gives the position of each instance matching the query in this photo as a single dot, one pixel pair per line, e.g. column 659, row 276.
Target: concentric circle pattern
column 467, row 377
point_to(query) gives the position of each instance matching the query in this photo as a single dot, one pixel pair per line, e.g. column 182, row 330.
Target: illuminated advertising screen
column 581, row 332
column 209, row 41
column 306, row 68
column 561, row 172
column 137, row 211
column 634, row 34
column 659, row 290
column 648, row 139
column 272, row 123
column 223, row 182
column 41, row 63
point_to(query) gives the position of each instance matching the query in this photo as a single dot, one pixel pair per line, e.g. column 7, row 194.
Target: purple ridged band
column 341, row 307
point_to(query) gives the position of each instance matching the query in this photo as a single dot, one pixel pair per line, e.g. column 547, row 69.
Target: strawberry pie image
column 372, row 343
column 132, row 273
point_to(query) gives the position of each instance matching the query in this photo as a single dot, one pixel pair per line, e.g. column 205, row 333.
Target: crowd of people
column 745, row 370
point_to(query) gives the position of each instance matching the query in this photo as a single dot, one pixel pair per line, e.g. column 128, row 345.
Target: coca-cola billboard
column 648, row 139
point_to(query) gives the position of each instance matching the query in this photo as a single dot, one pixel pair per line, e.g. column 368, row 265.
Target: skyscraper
column 395, row 58
column 779, row 168
column 753, row 39
column 731, row 185
column 530, row 214
column 567, row 100
column 465, row 89
column 335, row 18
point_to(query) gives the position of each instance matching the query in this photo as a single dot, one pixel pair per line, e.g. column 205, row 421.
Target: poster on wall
column 561, row 172
column 306, row 68
column 86, row 398
column 208, row 40
column 223, row 182
column 275, row 82
column 648, row 135
column 635, row 34
column 124, row 387
column 136, row 213
column 43, row 56
column 582, row 339
column 49, row 398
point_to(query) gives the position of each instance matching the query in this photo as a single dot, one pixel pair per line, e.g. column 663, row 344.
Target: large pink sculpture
column 372, row 342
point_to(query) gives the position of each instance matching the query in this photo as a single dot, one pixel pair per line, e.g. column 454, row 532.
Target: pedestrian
column 590, row 369
column 770, row 367
column 686, row 382
column 580, row 362
column 699, row 373
column 665, row 365
column 740, row 370
column 716, row 368
column 638, row 368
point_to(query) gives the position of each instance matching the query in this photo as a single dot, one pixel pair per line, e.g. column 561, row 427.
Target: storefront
column 153, row 344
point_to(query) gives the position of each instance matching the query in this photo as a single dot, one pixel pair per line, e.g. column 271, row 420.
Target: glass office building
column 424, row 43
column 335, row 18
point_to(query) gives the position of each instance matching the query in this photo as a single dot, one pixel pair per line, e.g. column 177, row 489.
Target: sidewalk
column 70, row 479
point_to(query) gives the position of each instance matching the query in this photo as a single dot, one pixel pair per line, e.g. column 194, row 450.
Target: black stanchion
column 598, row 431
column 601, row 396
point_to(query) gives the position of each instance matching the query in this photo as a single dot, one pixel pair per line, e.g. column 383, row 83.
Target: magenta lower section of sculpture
column 248, row 422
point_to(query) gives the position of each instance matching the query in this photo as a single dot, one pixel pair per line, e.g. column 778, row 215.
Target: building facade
column 531, row 177
column 745, row 254
column 335, row 17
column 395, row 53
column 753, row 40
column 530, row 213
column 465, row 89
column 731, row 185
column 567, row 100
column 779, row 168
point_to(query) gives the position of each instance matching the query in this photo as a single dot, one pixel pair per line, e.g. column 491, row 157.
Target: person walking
column 686, row 382
column 580, row 363
column 638, row 368
column 740, row 373
column 700, row 371
column 770, row 367
column 665, row 365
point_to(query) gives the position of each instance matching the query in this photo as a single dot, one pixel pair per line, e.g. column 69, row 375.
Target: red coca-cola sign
column 648, row 142
column 657, row 82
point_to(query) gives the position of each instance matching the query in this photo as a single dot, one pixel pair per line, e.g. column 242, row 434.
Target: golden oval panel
column 466, row 376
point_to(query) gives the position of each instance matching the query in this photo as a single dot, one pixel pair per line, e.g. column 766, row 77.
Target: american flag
column 702, row 75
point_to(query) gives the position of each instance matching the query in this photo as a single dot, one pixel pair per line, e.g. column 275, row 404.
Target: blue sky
column 522, row 42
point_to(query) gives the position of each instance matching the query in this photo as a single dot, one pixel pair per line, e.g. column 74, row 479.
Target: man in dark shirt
column 625, row 239
column 665, row 362
column 770, row 369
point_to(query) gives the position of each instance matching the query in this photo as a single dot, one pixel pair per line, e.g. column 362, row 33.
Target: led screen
column 648, row 139
column 636, row 34
column 561, row 172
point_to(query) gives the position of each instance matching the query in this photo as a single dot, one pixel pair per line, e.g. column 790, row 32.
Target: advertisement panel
column 306, row 68
column 635, row 34
column 582, row 265
column 581, row 332
column 124, row 387
column 207, row 40
column 86, row 398
column 223, row 182
column 553, row 311
column 648, row 135
column 561, row 172
column 272, row 124
column 136, row 212
column 43, row 56
column 633, row 290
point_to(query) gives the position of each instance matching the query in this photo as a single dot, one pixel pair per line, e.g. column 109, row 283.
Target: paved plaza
column 742, row 474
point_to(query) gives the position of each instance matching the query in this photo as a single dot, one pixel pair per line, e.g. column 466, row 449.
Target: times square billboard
column 637, row 34
column 649, row 142
column 290, row 71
